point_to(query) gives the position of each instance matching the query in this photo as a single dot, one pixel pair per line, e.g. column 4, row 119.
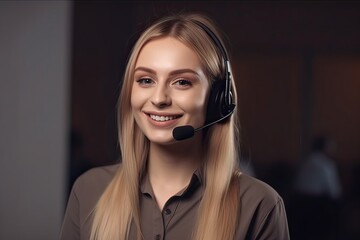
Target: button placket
column 158, row 223
column 168, row 211
column 167, row 214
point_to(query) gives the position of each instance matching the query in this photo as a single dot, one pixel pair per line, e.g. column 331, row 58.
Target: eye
column 182, row 83
column 145, row 81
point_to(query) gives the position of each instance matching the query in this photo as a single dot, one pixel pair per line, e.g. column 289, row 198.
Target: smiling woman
column 178, row 74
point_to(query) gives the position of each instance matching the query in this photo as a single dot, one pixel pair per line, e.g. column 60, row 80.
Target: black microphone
column 187, row 131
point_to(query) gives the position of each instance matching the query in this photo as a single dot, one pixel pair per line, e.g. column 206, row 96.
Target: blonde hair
column 118, row 207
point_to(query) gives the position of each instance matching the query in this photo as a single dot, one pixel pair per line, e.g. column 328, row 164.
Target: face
column 169, row 89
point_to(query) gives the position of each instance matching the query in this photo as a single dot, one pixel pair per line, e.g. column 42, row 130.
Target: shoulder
column 83, row 198
column 95, row 180
column 103, row 172
column 262, row 211
column 252, row 189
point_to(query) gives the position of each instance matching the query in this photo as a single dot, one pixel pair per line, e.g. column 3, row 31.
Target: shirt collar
column 195, row 182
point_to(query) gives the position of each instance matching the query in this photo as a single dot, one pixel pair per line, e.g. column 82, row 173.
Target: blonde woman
column 178, row 178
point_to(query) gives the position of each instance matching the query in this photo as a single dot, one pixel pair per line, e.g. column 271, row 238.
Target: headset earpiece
column 218, row 106
column 216, row 101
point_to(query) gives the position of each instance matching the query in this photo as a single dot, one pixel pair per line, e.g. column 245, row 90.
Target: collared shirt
column 261, row 213
column 176, row 219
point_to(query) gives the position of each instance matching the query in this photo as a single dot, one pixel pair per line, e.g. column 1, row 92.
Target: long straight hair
column 118, row 207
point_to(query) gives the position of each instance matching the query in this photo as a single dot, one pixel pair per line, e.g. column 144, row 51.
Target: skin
column 170, row 89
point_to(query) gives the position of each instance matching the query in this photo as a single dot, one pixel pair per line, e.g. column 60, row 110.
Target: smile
column 163, row 118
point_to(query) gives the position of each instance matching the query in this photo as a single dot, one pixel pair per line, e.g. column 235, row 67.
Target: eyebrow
column 178, row 71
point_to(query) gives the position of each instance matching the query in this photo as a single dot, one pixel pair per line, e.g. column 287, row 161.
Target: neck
column 171, row 167
column 175, row 159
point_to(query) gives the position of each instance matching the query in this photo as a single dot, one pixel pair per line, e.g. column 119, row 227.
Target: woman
column 177, row 75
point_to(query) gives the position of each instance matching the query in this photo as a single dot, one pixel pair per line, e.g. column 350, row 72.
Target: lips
column 163, row 118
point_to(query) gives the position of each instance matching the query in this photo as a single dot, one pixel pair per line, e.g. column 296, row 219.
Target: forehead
column 167, row 52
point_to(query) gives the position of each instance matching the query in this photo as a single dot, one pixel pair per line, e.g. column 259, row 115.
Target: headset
column 220, row 102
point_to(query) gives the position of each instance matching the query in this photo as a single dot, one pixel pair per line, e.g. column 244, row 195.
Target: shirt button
column 157, row 237
column 167, row 211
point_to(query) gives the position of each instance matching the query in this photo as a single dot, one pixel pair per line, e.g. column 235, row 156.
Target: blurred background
column 297, row 68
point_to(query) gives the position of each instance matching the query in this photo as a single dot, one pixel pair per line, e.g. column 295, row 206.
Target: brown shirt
column 261, row 215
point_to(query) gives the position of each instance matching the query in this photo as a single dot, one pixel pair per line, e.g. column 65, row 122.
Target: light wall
column 34, row 97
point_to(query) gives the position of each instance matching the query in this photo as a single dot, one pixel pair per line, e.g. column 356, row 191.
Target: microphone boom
column 187, row 131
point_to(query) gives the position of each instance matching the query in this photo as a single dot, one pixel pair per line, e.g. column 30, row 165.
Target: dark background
column 297, row 68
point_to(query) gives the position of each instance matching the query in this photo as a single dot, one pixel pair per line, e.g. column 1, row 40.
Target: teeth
column 162, row 118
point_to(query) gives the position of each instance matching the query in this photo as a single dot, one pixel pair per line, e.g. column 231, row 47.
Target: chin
column 163, row 142
column 162, row 139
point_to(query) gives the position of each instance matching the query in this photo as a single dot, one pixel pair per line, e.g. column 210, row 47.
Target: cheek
column 195, row 103
column 136, row 99
column 136, row 105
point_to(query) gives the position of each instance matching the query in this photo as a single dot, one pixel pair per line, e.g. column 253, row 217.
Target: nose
column 161, row 97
